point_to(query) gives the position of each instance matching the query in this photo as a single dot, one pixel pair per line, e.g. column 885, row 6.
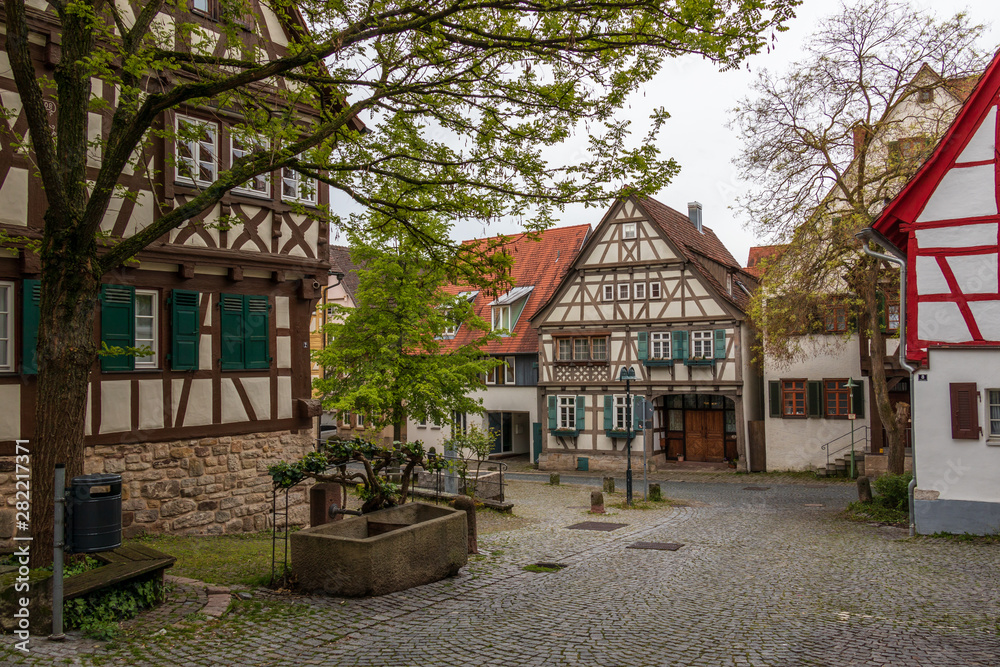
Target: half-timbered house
column 222, row 303
column 945, row 225
column 656, row 291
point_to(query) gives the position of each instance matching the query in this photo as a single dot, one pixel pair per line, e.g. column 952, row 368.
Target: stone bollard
column 864, row 489
column 469, row 506
column 655, row 495
column 597, row 502
column 554, row 479
column 609, row 485
column 321, row 496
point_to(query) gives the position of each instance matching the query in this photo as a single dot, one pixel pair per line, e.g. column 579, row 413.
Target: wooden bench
column 122, row 564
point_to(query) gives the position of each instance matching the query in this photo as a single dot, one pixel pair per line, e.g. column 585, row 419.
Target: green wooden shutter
column 256, row 327
column 814, row 398
column 643, row 345
column 720, row 343
column 118, row 325
column 231, row 326
column 29, row 326
column 774, row 386
column 609, row 413
column 581, row 402
column 553, row 422
column 859, row 399
column 679, row 339
column 184, row 330
column 638, row 412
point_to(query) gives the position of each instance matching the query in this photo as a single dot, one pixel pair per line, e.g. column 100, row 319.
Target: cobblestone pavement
column 767, row 576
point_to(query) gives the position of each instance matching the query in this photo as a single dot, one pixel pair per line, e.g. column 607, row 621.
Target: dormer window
column 507, row 308
column 729, row 283
column 452, row 329
column 501, row 318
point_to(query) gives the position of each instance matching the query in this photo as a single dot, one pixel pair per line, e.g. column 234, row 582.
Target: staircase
column 841, row 466
column 838, row 454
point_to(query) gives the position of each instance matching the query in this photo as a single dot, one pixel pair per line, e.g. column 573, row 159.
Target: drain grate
column 596, row 525
column 658, row 546
column 756, row 488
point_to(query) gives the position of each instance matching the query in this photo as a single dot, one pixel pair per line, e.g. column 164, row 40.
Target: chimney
column 694, row 214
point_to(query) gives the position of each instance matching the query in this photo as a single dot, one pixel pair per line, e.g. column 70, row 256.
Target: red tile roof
column 340, row 262
column 541, row 263
column 760, row 253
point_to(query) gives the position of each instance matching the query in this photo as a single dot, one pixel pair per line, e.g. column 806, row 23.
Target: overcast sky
column 698, row 98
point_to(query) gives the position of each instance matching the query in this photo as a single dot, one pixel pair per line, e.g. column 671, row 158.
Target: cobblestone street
column 769, row 574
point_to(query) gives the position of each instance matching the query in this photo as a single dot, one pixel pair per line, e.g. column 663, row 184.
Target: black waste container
column 95, row 513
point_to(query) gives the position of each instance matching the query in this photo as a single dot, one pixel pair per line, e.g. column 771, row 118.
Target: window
column 701, row 345
column 345, row 419
column 202, row 6
column 654, row 290
column 628, row 230
column 220, row 9
column 360, row 420
column 836, row 319
column 994, row 412
column 729, row 283
column 245, row 325
column 892, row 311
column 259, row 184
column 640, row 291
column 925, row 95
column 508, row 369
column 567, row 412
column 6, row 326
column 623, row 291
column 185, row 334
column 129, row 319
column 964, row 410
column 296, row 187
column 581, row 349
column 422, row 423
column 609, row 292
column 565, row 349
column 836, row 398
column 621, row 412
column 660, row 348
column 599, row 349
column 501, row 318
column 491, row 377
column 793, row 398
column 197, row 150
column 458, row 423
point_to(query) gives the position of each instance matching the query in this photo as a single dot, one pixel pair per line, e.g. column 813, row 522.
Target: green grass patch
column 967, row 538
column 241, row 559
column 646, row 504
column 543, row 567
column 876, row 512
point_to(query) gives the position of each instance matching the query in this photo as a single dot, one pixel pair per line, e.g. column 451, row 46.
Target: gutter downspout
column 898, row 258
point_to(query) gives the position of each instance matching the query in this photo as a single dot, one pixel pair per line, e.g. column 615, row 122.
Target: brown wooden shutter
column 964, row 411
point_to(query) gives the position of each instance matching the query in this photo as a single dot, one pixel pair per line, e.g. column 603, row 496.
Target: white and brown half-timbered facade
column 223, row 303
column 656, row 291
column 946, row 224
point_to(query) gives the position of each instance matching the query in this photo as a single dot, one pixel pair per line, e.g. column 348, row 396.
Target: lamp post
column 851, row 384
column 627, row 375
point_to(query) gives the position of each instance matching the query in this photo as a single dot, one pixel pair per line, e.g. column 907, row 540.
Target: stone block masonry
column 206, row 486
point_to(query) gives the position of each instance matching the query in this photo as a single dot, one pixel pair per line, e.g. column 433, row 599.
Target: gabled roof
column 538, row 264
column 340, row 262
column 760, row 253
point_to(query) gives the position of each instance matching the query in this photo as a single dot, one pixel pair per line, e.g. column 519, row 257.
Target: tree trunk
column 66, row 354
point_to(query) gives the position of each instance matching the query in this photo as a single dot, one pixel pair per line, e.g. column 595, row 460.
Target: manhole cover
column 659, row 546
column 596, row 525
column 756, row 488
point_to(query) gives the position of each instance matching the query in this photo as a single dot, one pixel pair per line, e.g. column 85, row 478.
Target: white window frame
column 508, row 371
column 459, row 423
column 7, row 332
column 654, row 290
column 621, row 412
column 566, row 405
column 993, row 424
column 360, row 420
column 609, row 292
column 623, row 291
column 593, row 355
column 295, row 179
column 422, row 423
column 639, row 291
column 630, row 231
column 659, row 345
column 203, row 7
column 154, row 343
column 499, row 313
column 703, row 341
column 196, row 151
column 559, row 349
column 491, row 376
column 345, row 417
column 266, row 192
column 729, row 283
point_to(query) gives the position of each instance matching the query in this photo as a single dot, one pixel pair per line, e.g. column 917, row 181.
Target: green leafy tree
column 460, row 99
column 827, row 145
column 389, row 357
column 478, row 442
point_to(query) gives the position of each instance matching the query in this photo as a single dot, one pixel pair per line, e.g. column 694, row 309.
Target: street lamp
column 851, row 384
column 627, row 375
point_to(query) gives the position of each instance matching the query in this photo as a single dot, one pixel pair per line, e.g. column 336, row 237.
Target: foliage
column 388, row 357
column 81, row 565
column 876, row 512
column 893, row 490
column 543, row 567
column 229, row 560
column 99, row 613
column 480, row 443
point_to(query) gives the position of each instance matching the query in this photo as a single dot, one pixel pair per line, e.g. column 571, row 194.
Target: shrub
column 893, row 490
column 98, row 614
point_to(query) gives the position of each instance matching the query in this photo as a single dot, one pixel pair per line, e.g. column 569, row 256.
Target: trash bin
column 95, row 512
column 582, row 463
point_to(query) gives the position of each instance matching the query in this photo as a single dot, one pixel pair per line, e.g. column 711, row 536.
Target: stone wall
column 207, row 486
column 597, row 461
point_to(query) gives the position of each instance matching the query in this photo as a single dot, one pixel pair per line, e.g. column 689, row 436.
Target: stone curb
column 218, row 596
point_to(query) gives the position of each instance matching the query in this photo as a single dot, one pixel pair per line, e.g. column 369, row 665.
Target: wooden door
column 704, row 435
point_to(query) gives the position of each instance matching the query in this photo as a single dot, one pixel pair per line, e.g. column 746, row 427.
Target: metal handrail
column 867, row 441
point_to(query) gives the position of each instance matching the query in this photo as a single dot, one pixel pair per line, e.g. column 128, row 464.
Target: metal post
column 627, row 375
column 850, row 384
column 645, row 446
column 58, row 544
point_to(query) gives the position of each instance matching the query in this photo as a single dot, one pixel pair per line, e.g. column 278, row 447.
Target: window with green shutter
column 581, row 402
column 680, row 342
column 118, row 325
column 30, row 312
column 245, row 329
column 720, row 343
column 609, row 413
column 231, row 328
column 859, row 399
column 814, row 398
column 553, row 418
column 184, row 330
column 257, row 329
column 774, row 387
column 643, row 345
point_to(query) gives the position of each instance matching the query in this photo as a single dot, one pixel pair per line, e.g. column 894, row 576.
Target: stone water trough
column 382, row 552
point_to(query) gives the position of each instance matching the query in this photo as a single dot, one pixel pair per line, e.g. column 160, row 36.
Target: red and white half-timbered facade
column 947, row 223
